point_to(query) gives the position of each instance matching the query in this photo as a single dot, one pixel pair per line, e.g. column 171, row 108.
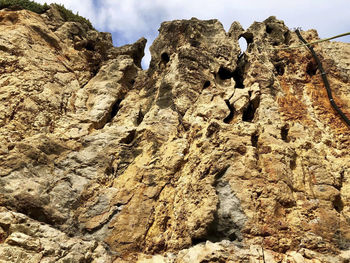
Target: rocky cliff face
column 211, row 155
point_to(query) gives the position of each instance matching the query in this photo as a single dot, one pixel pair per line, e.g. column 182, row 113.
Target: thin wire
column 311, row 43
column 324, row 77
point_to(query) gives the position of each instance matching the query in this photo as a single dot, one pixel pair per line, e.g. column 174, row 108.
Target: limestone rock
column 210, row 155
column 28, row 240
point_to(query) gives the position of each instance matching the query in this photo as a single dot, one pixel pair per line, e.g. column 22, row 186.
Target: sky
column 129, row 20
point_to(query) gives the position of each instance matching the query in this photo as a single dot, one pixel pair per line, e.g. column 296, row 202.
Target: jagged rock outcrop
column 211, row 155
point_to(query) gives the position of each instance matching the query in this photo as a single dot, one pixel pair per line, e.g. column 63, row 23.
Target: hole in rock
column 248, row 37
column 220, row 174
column 212, row 128
column 194, row 43
column 37, row 213
column 279, row 68
column 243, row 44
column 225, row 73
column 338, row 204
column 94, row 71
column 232, row 237
column 109, row 170
column 140, row 117
column 115, row 109
column 206, row 84
column 129, row 138
column 11, row 147
column 165, row 57
column 258, row 194
column 269, row 29
column 230, row 116
column 90, row 46
column 196, row 241
column 284, row 133
column 249, row 112
column 311, row 68
column 254, row 139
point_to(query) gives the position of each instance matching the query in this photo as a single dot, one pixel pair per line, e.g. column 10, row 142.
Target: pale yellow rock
column 24, row 241
column 296, row 257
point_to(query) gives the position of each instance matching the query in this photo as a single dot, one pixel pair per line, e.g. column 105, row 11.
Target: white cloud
column 129, row 20
column 84, row 8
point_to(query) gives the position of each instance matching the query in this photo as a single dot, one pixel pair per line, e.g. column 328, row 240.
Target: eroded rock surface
column 211, row 155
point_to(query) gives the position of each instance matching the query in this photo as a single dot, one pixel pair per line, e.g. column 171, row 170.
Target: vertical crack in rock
column 341, row 180
column 15, row 109
column 338, row 203
column 254, row 139
column 238, row 77
column 249, row 112
column 230, row 116
column 293, row 161
column 109, row 115
column 239, row 72
column 114, row 110
column 139, row 118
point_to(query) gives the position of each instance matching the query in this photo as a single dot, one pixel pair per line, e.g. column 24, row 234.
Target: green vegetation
column 25, row 4
column 66, row 14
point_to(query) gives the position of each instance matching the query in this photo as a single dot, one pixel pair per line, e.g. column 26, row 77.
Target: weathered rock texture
column 211, row 155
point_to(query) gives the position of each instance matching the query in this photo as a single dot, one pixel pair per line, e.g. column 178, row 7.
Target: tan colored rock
column 31, row 241
column 208, row 156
